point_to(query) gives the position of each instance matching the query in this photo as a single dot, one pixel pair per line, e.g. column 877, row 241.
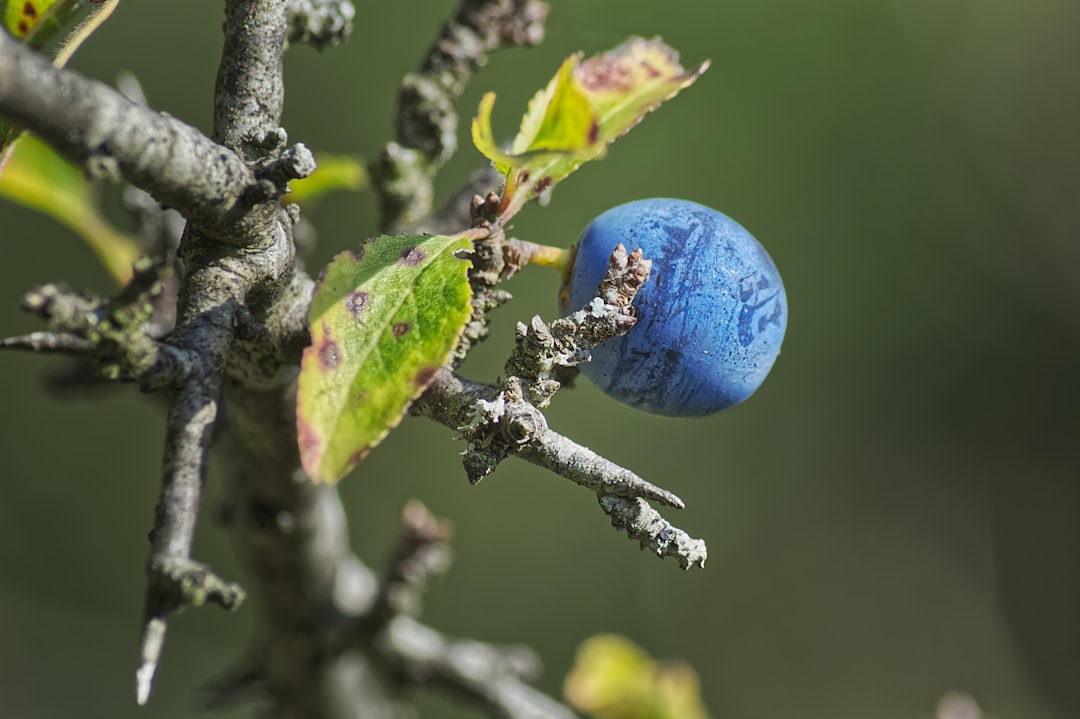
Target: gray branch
column 112, row 334
column 250, row 89
column 461, row 404
column 492, row 678
column 427, row 120
column 113, row 138
column 422, row 553
column 656, row 534
column 49, row 343
column 174, row 581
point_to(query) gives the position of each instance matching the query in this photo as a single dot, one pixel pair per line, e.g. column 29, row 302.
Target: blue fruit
column 710, row 318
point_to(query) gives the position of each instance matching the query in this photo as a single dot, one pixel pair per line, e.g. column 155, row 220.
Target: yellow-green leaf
column 587, row 105
column 613, row 678
column 382, row 322
column 333, row 173
column 559, row 116
column 60, row 26
column 41, row 22
column 38, row 178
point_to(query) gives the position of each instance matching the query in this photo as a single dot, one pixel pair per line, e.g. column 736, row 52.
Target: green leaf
column 586, row 106
column 39, row 23
column 40, row 179
column 333, row 173
column 383, row 321
column 613, row 678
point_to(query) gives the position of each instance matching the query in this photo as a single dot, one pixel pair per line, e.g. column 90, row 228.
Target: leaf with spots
column 57, row 27
column 383, row 321
column 586, row 106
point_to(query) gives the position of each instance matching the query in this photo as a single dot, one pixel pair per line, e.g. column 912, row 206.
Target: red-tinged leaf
column 586, row 106
column 383, row 321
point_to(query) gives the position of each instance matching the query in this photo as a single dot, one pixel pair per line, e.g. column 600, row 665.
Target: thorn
column 49, row 342
column 150, row 644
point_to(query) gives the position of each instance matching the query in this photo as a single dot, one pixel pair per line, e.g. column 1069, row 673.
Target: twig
column 468, row 406
column 540, row 348
column 49, row 342
column 427, row 122
column 581, row 465
column 113, row 334
column 489, row 677
column 174, row 581
column 422, row 552
column 250, row 90
column 656, row 534
column 493, row 678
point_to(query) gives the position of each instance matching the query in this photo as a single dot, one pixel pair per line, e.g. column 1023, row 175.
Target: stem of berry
column 520, row 253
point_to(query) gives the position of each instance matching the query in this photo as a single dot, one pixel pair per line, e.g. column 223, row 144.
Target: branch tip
column 150, row 645
column 49, row 343
column 655, row 534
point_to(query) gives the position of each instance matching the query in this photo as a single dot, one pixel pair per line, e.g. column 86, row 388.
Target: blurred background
column 896, row 513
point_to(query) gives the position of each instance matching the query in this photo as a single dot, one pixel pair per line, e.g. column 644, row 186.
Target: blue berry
column 711, row 317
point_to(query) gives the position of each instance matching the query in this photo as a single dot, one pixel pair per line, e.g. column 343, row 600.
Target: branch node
column 178, row 582
column 103, row 167
column 269, row 140
column 258, row 192
column 173, row 583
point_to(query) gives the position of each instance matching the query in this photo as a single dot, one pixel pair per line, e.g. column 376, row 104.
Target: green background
column 896, row 514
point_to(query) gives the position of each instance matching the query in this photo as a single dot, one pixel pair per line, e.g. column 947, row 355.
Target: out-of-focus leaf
column 383, row 321
column 613, row 678
column 41, row 22
column 586, row 106
column 60, row 26
column 333, row 173
column 40, row 179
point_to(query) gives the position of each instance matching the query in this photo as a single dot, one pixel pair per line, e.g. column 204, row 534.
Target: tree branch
column 489, row 677
column 112, row 334
column 427, row 121
column 174, row 581
column 656, row 534
column 250, row 89
column 238, row 278
column 421, row 553
column 112, row 138
column 49, row 343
